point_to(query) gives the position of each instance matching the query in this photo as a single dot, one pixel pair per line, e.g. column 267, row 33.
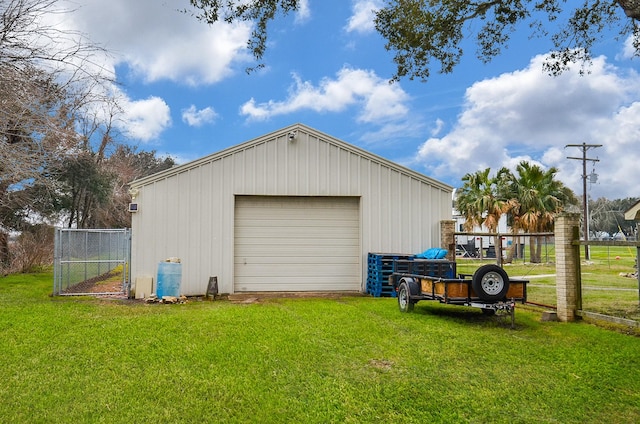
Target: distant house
column 294, row 210
column 471, row 245
column 468, row 244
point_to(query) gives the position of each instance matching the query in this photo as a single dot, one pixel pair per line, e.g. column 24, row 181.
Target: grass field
column 606, row 289
column 344, row 360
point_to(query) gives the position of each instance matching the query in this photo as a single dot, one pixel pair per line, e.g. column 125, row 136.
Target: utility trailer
column 489, row 288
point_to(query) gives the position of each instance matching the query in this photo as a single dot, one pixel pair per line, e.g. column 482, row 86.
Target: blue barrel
column 169, row 278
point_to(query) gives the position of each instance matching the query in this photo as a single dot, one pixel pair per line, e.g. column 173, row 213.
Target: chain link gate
column 91, row 262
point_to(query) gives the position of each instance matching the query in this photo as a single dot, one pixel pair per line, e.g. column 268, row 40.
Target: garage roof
column 283, row 132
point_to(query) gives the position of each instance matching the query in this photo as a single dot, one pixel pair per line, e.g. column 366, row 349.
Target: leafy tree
column 84, row 188
column 261, row 12
column 422, row 31
column 125, row 165
column 94, row 193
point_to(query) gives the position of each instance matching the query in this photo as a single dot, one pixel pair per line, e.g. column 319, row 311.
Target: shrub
column 30, row 251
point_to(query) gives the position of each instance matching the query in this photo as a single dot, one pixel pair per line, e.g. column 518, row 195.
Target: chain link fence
column 91, row 262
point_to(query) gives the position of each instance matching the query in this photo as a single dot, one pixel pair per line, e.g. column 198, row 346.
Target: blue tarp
column 433, row 253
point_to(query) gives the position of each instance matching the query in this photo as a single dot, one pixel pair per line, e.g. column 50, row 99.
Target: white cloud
column 392, row 135
column 197, row 118
column 628, row 51
column 363, row 14
column 161, row 43
column 437, row 128
column 304, row 12
column 378, row 100
column 527, row 115
column 157, row 42
column 145, row 119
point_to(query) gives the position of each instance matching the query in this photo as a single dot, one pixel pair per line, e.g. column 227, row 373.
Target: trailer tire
column 406, row 289
column 490, row 282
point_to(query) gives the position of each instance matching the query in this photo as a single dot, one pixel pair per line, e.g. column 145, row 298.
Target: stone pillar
column 448, row 238
column 568, row 282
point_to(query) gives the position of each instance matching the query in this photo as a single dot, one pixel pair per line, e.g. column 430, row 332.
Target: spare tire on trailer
column 490, row 283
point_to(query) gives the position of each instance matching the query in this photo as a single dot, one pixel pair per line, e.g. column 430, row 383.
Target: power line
column 585, row 206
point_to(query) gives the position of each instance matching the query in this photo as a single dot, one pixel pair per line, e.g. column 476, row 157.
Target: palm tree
column 536, row 197
column 479, row 200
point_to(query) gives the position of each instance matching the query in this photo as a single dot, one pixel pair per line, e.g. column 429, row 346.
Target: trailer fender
column 407, row 289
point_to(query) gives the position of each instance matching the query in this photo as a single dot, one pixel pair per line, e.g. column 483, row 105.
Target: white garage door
column 297, row 244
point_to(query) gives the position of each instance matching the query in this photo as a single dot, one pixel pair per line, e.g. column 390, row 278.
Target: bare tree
column 30, row 37
column 33, row 131
column 49, row 78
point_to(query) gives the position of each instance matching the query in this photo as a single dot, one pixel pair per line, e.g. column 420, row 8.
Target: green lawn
column 606, row 289
column 352, row 359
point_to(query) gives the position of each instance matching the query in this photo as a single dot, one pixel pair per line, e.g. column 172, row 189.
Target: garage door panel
column 297, row 244
column 284, row 229
column 274, row 272
column 289, row 203
column 294, row 233
column 268, row 227
column 302, row 242
column 298, row 260
column 287, row 223
column 296, row 284
column 312, row 279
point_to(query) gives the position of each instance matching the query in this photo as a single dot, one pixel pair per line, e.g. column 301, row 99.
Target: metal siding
column 297, row 244
column 190, row 214
column 181, row 217
column 388, row 228
column 418, row 217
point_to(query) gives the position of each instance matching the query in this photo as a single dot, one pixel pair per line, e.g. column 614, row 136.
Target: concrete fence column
column 448, row 238
column 568, row 281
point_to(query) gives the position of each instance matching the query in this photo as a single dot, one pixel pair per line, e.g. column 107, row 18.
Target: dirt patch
column 381, row 364
column 109, row 282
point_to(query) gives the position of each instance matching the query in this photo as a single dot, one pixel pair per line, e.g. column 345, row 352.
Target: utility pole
column 585, row 204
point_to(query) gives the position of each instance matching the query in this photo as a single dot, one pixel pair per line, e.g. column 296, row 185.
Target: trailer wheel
column 404, row 297
column 490, row 282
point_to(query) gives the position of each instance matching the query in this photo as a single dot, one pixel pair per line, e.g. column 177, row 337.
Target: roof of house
column 633, row 214
column 296, row 127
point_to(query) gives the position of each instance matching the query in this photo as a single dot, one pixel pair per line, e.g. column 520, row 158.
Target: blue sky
column 185, row 93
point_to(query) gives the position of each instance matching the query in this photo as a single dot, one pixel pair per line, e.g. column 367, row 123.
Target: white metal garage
column 297, row 243
column 293, row 210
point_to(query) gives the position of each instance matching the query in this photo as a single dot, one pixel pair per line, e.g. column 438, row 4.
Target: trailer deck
column 489, row 288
